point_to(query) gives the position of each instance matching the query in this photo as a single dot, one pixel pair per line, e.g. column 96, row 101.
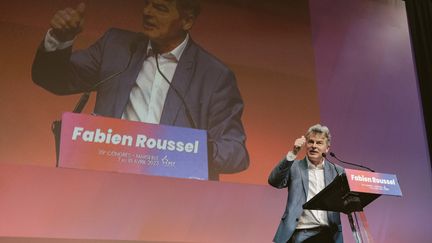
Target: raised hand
column 298, row 144
column 68, row 23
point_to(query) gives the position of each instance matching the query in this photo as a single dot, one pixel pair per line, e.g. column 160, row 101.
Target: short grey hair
column 189, row 7
column 320, row 129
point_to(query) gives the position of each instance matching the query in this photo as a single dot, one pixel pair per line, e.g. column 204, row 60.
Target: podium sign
column 109, row 144
column 371, row 182
column 350, row 192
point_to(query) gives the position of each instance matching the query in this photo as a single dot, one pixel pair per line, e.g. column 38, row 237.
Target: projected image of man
column 164, row 77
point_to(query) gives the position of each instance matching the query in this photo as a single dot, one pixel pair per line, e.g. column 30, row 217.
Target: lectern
column 350, row 193
column 109, row 144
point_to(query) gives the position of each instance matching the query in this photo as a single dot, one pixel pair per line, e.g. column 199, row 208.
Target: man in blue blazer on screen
column 159, row 76
column 304, row 179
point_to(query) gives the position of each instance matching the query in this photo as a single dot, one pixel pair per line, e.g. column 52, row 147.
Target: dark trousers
column 314, row 235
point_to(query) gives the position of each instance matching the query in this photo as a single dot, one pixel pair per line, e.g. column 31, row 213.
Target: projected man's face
column 163, row 24
column 316, row 145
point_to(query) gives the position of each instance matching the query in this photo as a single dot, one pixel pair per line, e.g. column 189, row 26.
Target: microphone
column 348, row 163
column 86, row 95
column 334, row 166
column 187, row 111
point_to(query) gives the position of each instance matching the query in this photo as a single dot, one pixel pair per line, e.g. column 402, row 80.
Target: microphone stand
column 348, row 163
column 187, row 111
column 56, row 125
column 334, row 166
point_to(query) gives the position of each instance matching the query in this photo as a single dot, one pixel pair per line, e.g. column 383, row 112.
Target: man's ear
column 187, row 22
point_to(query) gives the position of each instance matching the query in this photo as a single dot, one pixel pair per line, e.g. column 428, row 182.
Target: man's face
column 316, row 144
column 162, row 22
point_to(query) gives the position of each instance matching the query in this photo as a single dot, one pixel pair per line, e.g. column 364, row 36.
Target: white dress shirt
column 314, row 218
column 147, row 97
column 52, row 44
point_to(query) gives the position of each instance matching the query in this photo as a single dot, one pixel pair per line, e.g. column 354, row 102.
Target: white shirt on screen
column 147, row 97
column 52, row 44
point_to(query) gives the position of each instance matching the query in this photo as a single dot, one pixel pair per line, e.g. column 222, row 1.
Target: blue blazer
column 207, row 85
column 294, row 175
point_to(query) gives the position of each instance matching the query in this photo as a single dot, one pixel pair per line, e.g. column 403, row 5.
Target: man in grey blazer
column 163, row 53
column 304, row 179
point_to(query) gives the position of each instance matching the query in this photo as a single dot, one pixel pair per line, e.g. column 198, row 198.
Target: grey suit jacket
column 207, row 85
column 293, row 175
